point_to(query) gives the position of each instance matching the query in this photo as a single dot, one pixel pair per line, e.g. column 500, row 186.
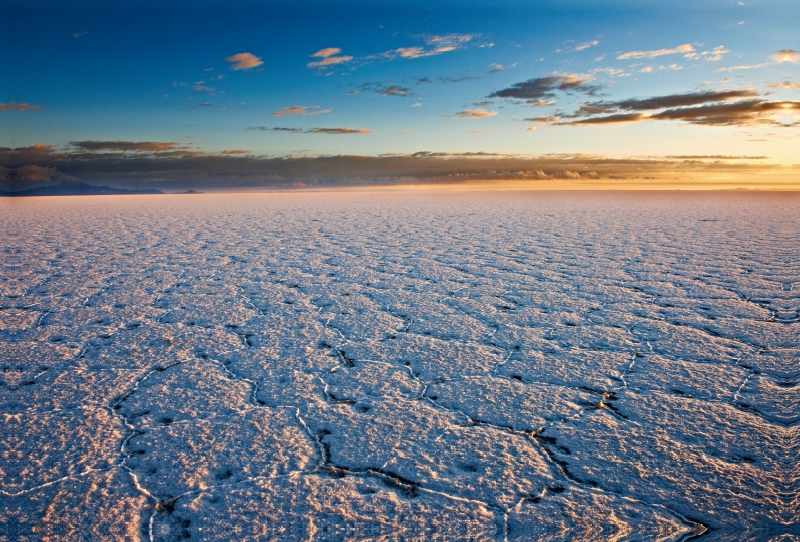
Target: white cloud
column 737, row 68
column 685, row 48
column 586, row 45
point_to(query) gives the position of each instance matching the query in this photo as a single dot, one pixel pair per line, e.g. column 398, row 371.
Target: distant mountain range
column 76, row 189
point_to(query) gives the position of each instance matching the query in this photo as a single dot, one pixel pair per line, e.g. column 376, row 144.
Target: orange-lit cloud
column 244, row 61
column 785, row 84
column 786, row 55
column 35, row 149
column 685, row 48
column 662, row 102
column 328, row 51
column 19, row 107
column 741, row 113
column 329, row 61
column 303, row 110
column 475, row 113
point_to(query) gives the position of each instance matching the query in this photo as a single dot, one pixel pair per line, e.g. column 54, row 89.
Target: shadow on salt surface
column 310, row 507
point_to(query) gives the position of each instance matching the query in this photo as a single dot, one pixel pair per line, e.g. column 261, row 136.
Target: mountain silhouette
column 76, row 189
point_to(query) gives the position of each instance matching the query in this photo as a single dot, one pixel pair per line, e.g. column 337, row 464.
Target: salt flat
column 401, row 366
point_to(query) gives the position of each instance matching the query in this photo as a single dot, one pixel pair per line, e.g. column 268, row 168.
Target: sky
column 250, row 95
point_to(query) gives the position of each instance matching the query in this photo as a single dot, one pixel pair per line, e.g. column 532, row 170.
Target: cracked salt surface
column 400, row 366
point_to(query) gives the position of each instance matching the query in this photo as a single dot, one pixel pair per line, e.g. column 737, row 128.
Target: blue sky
column 399, row 78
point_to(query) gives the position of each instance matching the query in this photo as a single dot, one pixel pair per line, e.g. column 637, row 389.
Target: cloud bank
column 19, row 107
column 156, row 165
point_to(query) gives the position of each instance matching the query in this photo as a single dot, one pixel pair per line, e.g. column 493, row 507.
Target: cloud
column 785, row 84
column 435, row 45
column 737, row 68
column 19, row 107
column 334, row 131
column 716, row 157
column 714, row 55
column 303, row 110
column 586, row 45
column 685, row 48
column 329, row 61
column 739, row 113
column 380, row 87
column 35, row 149
column 80, row 34
column 475, row 114
column 395, row 90
column 662, row 102
column 328, row 51
column 238, row 169
column 244, row 61
column 202, row 89
column 613, row 72
column 539, row 88
column 338, row 131
column 34, row 173
column 127, row 146
column 262, row 128
column 786, row 55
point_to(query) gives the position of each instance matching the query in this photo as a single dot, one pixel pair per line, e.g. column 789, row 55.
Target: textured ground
column 400, row 366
